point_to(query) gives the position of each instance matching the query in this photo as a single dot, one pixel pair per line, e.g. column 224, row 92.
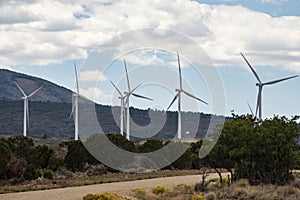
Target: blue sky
column 44, row 39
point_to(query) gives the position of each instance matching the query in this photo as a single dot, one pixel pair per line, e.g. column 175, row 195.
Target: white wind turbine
column 122, row 99
column 252, row 113
column 178, row 96
column 26, row 107
column 127, row 95
column 260, row 88
column 75, row 104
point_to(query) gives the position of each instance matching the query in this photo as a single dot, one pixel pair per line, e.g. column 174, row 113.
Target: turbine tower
column 127, row 96
column 75, row 104
column 178, row 96
column 122, row 99
column 260, row 88
column 26, row 107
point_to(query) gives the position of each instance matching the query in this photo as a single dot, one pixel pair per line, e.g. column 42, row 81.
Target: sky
column 44, row 38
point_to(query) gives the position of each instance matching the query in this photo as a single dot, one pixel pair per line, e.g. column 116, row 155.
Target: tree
column 122, row 142
column 20, row 145
column 150, row 145
column 31, row 173
column 5, row 153
column 39, row 156
column 77, row 155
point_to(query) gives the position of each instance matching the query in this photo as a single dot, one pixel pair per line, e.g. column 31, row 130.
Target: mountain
column 50, row 92
column 50, row 112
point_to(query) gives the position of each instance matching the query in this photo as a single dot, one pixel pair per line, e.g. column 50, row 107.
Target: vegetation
column 5, row 153
column 52, row 119
column 239, row 190
column 159, row 190
column 262, row 152
column 48, row 174
column 105, row 196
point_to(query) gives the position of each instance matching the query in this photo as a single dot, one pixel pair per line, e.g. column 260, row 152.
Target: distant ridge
column 50, row 111
column 50, row 92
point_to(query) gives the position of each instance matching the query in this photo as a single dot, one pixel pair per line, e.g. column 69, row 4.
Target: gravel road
column 76, row 193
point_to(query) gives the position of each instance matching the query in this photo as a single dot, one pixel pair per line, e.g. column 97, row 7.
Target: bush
column 5, row 153
column 39, row 156
column 159, row 189
column 183, row 189
column 140, row 194
column 211, row 196
column 105, row 196
column 48, row 174
column 31, row 173
column 198, row 196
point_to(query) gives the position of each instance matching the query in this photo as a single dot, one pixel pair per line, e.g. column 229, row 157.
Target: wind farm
column 140, row 100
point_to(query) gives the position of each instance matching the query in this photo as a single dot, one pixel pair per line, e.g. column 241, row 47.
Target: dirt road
column 76, row 193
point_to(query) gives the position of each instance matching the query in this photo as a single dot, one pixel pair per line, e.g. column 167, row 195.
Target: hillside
column 50, row 92
column 51, row 107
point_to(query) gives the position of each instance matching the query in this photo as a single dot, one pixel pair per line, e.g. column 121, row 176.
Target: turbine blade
column 140, row 96
column 254, row 72
column 279, row 80
column 20, row 89
column 116, row 88
column 76, row 77
column 72, row 112
column 179, row 68
column 174, row 99
column 127, row 77
column 250, row 109
column 127, row 100
column 194, row 97
column 35, row 91
column 135, row 88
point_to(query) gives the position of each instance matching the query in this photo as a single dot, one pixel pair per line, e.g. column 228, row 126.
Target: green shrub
column 159, row 189
column 140, row 194
column 5, row 153
column 48, row 174
column 200, row 196
column 31, row 173
column 183, row 189
column 211, row 196
column 105, row 196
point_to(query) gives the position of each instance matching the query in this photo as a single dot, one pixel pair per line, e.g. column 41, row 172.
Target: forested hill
column 50, row 111
column 50, row 92
column 53, row 120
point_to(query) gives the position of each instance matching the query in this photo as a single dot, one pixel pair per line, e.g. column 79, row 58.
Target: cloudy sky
column 44, row 37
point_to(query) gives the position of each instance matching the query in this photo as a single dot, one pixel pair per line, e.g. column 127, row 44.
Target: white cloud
column 91, row 76
column 45, row 31
column 95, row 94
column 273, row 1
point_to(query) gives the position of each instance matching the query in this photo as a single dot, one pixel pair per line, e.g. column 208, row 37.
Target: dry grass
column 240, row 190
column 80, row 179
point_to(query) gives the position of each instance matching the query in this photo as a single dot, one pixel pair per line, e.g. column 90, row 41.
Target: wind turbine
column 26, row 107
column 127, row 95
column 178, row 96
column 75, row 104
column 252, row 113
column 122, row 99
column 260, row 87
